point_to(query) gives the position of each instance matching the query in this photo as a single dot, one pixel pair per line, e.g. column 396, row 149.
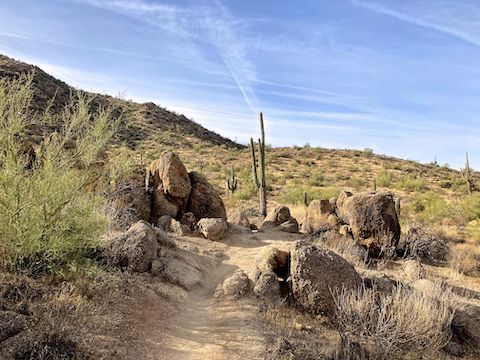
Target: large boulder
column 162, row 204
column 276, row 217
column 372, row 219
column 204, row 201
column 466, row 325
column 170, row 185
column 213, row 229
column 134, row 249
column 317, row 215
column 267, row 286
column 170, row 171
column 234, row 286
column 180, row 267
column 316, row 273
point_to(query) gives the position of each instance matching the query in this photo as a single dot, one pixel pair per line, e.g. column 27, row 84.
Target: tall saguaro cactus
column 259, row 178
column 467, row 175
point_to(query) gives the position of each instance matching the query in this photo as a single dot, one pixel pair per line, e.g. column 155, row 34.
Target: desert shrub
column 245, row 191
column 316, row 179
column 466, row 259
column 48, row 218
column 357, row 182
column 411, row 184
column 469, row 207
column 430, row 207
column 385, row 179
column 473, row 229
column 295, row 195
column 405, row 320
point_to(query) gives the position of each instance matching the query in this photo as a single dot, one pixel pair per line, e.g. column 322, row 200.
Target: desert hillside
column 433, row 194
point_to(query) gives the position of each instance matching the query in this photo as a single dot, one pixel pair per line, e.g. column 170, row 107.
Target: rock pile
column 177, row 192
column 370, row 218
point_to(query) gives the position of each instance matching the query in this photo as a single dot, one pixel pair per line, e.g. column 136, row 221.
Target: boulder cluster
column 177, row 201
column 370, row 218
column 308, row 275
column 176, row 192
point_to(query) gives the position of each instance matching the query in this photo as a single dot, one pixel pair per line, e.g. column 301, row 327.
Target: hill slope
column 142, row 122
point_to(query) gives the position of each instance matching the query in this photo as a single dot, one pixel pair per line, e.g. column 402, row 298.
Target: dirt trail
column 207, row 328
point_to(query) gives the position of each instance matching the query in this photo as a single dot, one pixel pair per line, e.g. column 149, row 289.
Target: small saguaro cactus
column 232, row 182
column 305, row 199
column 467, row 175
column 260, row 179
column 398, row 207
column 374, row 185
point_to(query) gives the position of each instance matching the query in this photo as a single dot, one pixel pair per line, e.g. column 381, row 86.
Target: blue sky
column 400, row 77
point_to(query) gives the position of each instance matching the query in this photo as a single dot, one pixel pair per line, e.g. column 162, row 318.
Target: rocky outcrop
column 204, row 201
column 213, row 229
column 134, row 249
column 372, row 219
column 183, row 196
column 316, row 273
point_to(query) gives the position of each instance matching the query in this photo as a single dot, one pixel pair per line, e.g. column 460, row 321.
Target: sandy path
column 206, row 328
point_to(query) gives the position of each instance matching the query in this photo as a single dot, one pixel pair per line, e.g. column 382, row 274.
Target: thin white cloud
column 213, row 24
column 449, row 17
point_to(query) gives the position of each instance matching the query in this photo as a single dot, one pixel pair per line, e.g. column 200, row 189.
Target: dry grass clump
column 466, row 259
column 406, row 320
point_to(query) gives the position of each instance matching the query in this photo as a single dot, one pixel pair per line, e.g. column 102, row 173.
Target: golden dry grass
column 406, row 320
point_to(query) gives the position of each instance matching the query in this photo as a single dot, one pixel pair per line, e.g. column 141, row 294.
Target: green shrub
column 316, row 179
column 295, row 195
column 385, row 179
column 473, row 229
column 470, row 207
column 431, row 207
column 357, row 182
column 411, row 184
column 245, row 191
column 48, row 218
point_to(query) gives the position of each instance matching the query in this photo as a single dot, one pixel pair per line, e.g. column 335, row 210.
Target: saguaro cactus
column 260, row 179
column 232, row 182
column 398, row 207
column 467, row 175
